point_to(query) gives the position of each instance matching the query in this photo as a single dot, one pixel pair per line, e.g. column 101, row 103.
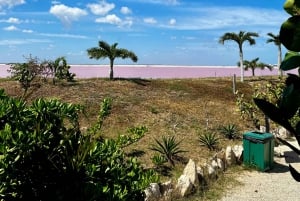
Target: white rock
column 283, row 133
column 190, row 171
column 152, row 192
column 238, row 152
column 221, row 165
column 166, row 190
column 212, row 174
column 184, row 186
column 229, row 156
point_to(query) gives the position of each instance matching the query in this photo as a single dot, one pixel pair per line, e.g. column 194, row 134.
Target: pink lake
column 157, row 71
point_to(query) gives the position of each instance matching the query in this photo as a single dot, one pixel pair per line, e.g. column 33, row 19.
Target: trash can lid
column 258, row 135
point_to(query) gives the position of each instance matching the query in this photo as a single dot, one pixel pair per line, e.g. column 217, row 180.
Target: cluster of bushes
column 44, row 155
column 33, row 70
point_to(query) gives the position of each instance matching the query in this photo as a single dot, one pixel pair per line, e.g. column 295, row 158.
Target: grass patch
column 171, row 107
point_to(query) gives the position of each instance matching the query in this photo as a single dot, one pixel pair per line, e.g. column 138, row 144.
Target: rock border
column 195, row 176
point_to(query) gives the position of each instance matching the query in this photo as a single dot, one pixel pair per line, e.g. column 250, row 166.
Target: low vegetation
column 135, row 113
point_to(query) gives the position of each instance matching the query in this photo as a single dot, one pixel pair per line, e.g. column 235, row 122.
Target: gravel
column 275, row 184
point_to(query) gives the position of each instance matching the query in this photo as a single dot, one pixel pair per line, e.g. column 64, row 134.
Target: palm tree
column 239, row 38
column 253, row 64
column 275, row 39
column 112, row 52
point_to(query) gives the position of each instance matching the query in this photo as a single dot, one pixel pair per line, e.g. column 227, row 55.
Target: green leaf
column 290, row 61
column 290, row 101
column 294, row 173
column 272, row 112
column 289, row 34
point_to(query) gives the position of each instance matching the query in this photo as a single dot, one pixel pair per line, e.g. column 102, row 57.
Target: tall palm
column 254, row 64
column 240, row 38
column 275, row 39
column 111, row 52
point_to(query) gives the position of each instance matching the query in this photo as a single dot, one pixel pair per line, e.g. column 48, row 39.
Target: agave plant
column 210, row 140
column 230, row 131
column 168, row 148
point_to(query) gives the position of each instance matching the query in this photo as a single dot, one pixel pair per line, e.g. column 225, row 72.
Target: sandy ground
column 275, row 184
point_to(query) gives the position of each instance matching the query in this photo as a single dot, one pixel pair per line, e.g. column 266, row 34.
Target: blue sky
column 170, row 32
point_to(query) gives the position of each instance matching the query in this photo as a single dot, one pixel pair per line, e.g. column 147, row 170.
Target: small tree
column 240, row 38
column 275, row 39
column 60, row 70
column 111, row 52
column 26, row 73
column 254, row 64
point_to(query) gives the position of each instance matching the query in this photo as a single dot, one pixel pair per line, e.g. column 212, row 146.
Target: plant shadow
column 138, row 81
column 135, row 153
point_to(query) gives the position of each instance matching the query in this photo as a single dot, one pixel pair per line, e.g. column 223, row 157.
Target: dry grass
column 181, row 107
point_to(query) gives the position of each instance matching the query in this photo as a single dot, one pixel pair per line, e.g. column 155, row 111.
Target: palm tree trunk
column 242, row 65
column 111, row 72
column 253, row 73
column 279, row 60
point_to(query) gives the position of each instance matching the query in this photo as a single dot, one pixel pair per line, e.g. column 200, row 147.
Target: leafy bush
column 158, row 159
column 230, row 131
column 168, row 148
column 33, row 70
column 210, row 140
column 133, row 135
column 44, row 156
column 60, row 70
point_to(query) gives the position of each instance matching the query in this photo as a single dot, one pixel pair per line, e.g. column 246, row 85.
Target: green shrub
column 133, row 135
column 44, row 156
column 210, row 140
column 158, row 160
column 168, row 148
column 230, row 131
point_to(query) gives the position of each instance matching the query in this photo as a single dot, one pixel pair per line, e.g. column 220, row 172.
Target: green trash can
column 258, row 150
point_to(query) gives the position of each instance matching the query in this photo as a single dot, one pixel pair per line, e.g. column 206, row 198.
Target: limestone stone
column 190, row 171
column 229, row 156
column 184, row 185
column 152, row 192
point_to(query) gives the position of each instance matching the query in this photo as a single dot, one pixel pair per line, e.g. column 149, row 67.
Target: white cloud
column 10, row 28
column 150, row 20
column 125, row 10
column 172, row 21
column 110, row 19
column 27, row 31
column 22, row 41
column 67, row 14
column 165, row 2
column 102, row 8
column 209, row 18
column 10, row 3
column 11, row 20
column 63, row 35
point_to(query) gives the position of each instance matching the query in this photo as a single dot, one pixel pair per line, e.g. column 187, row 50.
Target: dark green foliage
column 133, row 135
column 230, row 131
column 158, row 160
column 44, row 156
column 169, row 148
column 289, row 103
column 60, row 70
column 210, row 140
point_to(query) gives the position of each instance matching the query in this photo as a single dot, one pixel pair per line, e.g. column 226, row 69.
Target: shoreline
column 157, row 71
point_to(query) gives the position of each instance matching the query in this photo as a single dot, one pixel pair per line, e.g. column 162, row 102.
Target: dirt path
column 276, row 184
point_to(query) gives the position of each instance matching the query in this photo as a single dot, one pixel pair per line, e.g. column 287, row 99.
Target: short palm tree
column 112, row 52
column 240, row 38
column 253, row 64
column 275, row 39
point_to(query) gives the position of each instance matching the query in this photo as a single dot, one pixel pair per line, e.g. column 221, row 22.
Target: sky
column 161, row 32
